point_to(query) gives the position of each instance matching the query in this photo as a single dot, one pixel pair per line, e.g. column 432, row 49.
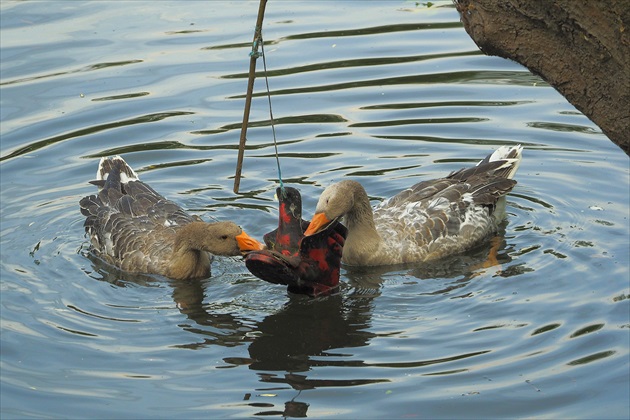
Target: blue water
column 387, row 93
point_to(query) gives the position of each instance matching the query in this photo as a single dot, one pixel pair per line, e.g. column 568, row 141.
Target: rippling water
column 388, row 93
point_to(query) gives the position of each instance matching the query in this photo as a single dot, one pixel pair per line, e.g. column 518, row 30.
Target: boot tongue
column 286, row 238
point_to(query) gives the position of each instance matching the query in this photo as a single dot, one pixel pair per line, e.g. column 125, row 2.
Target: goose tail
column 116, row 164
column 511, row 155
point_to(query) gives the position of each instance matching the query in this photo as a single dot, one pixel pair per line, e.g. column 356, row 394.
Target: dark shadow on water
column 310, row 332
column 283, row 340
column 304, row 334
column 213, row 327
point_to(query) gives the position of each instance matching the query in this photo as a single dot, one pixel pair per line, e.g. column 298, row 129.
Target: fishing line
column 271, row 120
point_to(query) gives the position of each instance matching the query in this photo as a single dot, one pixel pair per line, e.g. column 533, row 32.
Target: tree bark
column 580, row 47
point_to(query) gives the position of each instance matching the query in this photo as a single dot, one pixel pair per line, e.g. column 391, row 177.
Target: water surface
column 387, row 93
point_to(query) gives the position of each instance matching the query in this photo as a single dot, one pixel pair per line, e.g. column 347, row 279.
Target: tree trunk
column 580, row 47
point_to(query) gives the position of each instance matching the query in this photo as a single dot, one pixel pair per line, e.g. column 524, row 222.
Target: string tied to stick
column 253, row 55
column 257, row 41
column 271, row 120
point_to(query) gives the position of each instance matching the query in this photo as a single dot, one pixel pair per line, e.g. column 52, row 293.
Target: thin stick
column 248, row 97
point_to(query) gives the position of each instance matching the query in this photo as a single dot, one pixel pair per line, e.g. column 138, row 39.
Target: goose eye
column 224, row 236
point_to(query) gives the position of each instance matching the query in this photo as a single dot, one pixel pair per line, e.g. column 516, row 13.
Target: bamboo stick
column 248, row 97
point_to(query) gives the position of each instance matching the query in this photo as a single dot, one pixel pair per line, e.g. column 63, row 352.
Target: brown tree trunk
column 580, row 47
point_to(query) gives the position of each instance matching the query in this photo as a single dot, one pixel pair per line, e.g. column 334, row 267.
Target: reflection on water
column 305, row 332
column 527, row 324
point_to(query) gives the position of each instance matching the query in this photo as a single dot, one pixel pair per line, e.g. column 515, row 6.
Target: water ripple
column 527, row 324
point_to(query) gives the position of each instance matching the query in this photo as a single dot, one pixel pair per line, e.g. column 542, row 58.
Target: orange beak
column 319, row 221
column 247, row 243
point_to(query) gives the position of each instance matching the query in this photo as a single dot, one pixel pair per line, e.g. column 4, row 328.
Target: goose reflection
column 214, row 325
column 305, row 331
column 209, row 323
column 285, row 346
column 297, row 337
column 308, row 333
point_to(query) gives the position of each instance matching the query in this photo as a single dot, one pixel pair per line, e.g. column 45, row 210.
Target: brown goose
column 134, row 228
column 430, row 220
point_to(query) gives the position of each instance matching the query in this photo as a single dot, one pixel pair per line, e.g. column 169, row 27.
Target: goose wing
column 436, row 217
column 129, row 223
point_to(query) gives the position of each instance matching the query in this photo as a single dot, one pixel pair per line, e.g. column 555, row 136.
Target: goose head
column 344, row 198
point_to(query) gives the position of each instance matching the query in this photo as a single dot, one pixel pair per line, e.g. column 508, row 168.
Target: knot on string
column 255, row 54
column 257, row 39
column 282, row 190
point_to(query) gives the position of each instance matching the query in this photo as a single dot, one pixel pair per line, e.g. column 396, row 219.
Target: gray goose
column 430, row 220
column 136, row 229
